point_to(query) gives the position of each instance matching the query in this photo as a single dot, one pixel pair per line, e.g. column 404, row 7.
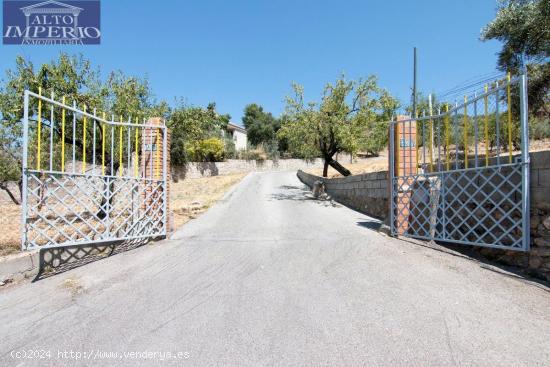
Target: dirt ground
column 361, row 165
column 10, row 237
column 380, row 163
column 188, row 199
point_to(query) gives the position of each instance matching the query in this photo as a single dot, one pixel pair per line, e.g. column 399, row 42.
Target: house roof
column 232, row 127
column 52, row 2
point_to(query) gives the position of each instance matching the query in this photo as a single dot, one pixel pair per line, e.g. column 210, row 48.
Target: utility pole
column 414, row 86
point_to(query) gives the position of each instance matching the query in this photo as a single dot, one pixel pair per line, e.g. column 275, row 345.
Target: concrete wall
column 205, row 169
column 367, row 193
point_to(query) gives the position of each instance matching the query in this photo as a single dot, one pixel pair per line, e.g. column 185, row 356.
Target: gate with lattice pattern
column 87, row 179
column 461, row 175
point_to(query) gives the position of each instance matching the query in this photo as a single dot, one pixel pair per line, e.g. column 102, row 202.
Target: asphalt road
column 267, row 277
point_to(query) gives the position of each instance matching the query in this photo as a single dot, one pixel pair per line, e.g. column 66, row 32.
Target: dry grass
column 362, row 165
column 73, row 286
column 191, row 197
column 10, row 237
column 188, row 199
column 380, row 163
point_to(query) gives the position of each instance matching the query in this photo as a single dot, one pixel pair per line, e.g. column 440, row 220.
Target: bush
column 229, row 148
column 208, row 150
column 254, row 154
column 271, row 149
column 539, row 128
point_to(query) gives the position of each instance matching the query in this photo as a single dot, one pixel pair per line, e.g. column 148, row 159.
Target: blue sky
column 238, row 52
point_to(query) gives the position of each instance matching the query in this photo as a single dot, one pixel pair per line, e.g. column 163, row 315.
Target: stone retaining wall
column 366, row 193
column 206, row 169
column 536, row 261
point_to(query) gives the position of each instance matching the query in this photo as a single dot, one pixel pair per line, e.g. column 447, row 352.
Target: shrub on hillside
column 230, row 152
column 539, row 128
column 253, row 154
column 207, row 150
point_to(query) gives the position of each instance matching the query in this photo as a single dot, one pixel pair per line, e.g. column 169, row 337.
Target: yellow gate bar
column 508, row 77
column 158, row 155
column 430, row 143
column 447, row 139
column 103, row 146
column 120, row 147
column 486, row 122
column 417, row 140
column 465, row 132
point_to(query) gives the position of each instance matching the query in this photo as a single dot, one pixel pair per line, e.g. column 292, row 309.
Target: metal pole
column 423, row 143
column 112, row 145
column 74, row 135
column 524, row 120
column 414, row 84
column 128, row 150
column 497, row 124
column 431, row 128
column 24, row 165
column 475, row 130
column 438, row 130
column 455, row 117
column 52, row 125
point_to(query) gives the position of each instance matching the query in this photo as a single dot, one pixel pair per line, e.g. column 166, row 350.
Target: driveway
column 269, row 276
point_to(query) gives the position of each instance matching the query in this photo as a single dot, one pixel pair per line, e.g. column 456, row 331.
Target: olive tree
column 523, row 27
column 347, row 119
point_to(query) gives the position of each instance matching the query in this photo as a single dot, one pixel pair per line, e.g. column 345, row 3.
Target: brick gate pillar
column 405, row 166
column 152, row 168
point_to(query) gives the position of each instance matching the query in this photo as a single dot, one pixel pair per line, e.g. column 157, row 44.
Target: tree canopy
column 261, row 126
column 191, row 127
column 347, row 119
column 523, row 27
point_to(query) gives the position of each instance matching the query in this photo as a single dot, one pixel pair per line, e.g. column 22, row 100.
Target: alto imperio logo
column 51, row 22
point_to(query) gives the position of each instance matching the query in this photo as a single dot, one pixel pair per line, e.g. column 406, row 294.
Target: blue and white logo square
column 51, row 22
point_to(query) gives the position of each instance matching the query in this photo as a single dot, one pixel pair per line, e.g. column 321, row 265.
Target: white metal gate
column 462, row 175
column 87, row 179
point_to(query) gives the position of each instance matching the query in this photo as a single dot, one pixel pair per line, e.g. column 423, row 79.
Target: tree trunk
column 328, row 161
column 325, row 168
column 337, row 166
column 4, row 186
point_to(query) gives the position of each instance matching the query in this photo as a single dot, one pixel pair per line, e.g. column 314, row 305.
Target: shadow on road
column 296, row 193
column 371, row 224
column 53, row 261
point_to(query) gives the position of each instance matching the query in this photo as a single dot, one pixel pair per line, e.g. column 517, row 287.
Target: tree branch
column 4, row 186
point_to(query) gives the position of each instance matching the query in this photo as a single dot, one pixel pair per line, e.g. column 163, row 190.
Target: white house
column 238, row 134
